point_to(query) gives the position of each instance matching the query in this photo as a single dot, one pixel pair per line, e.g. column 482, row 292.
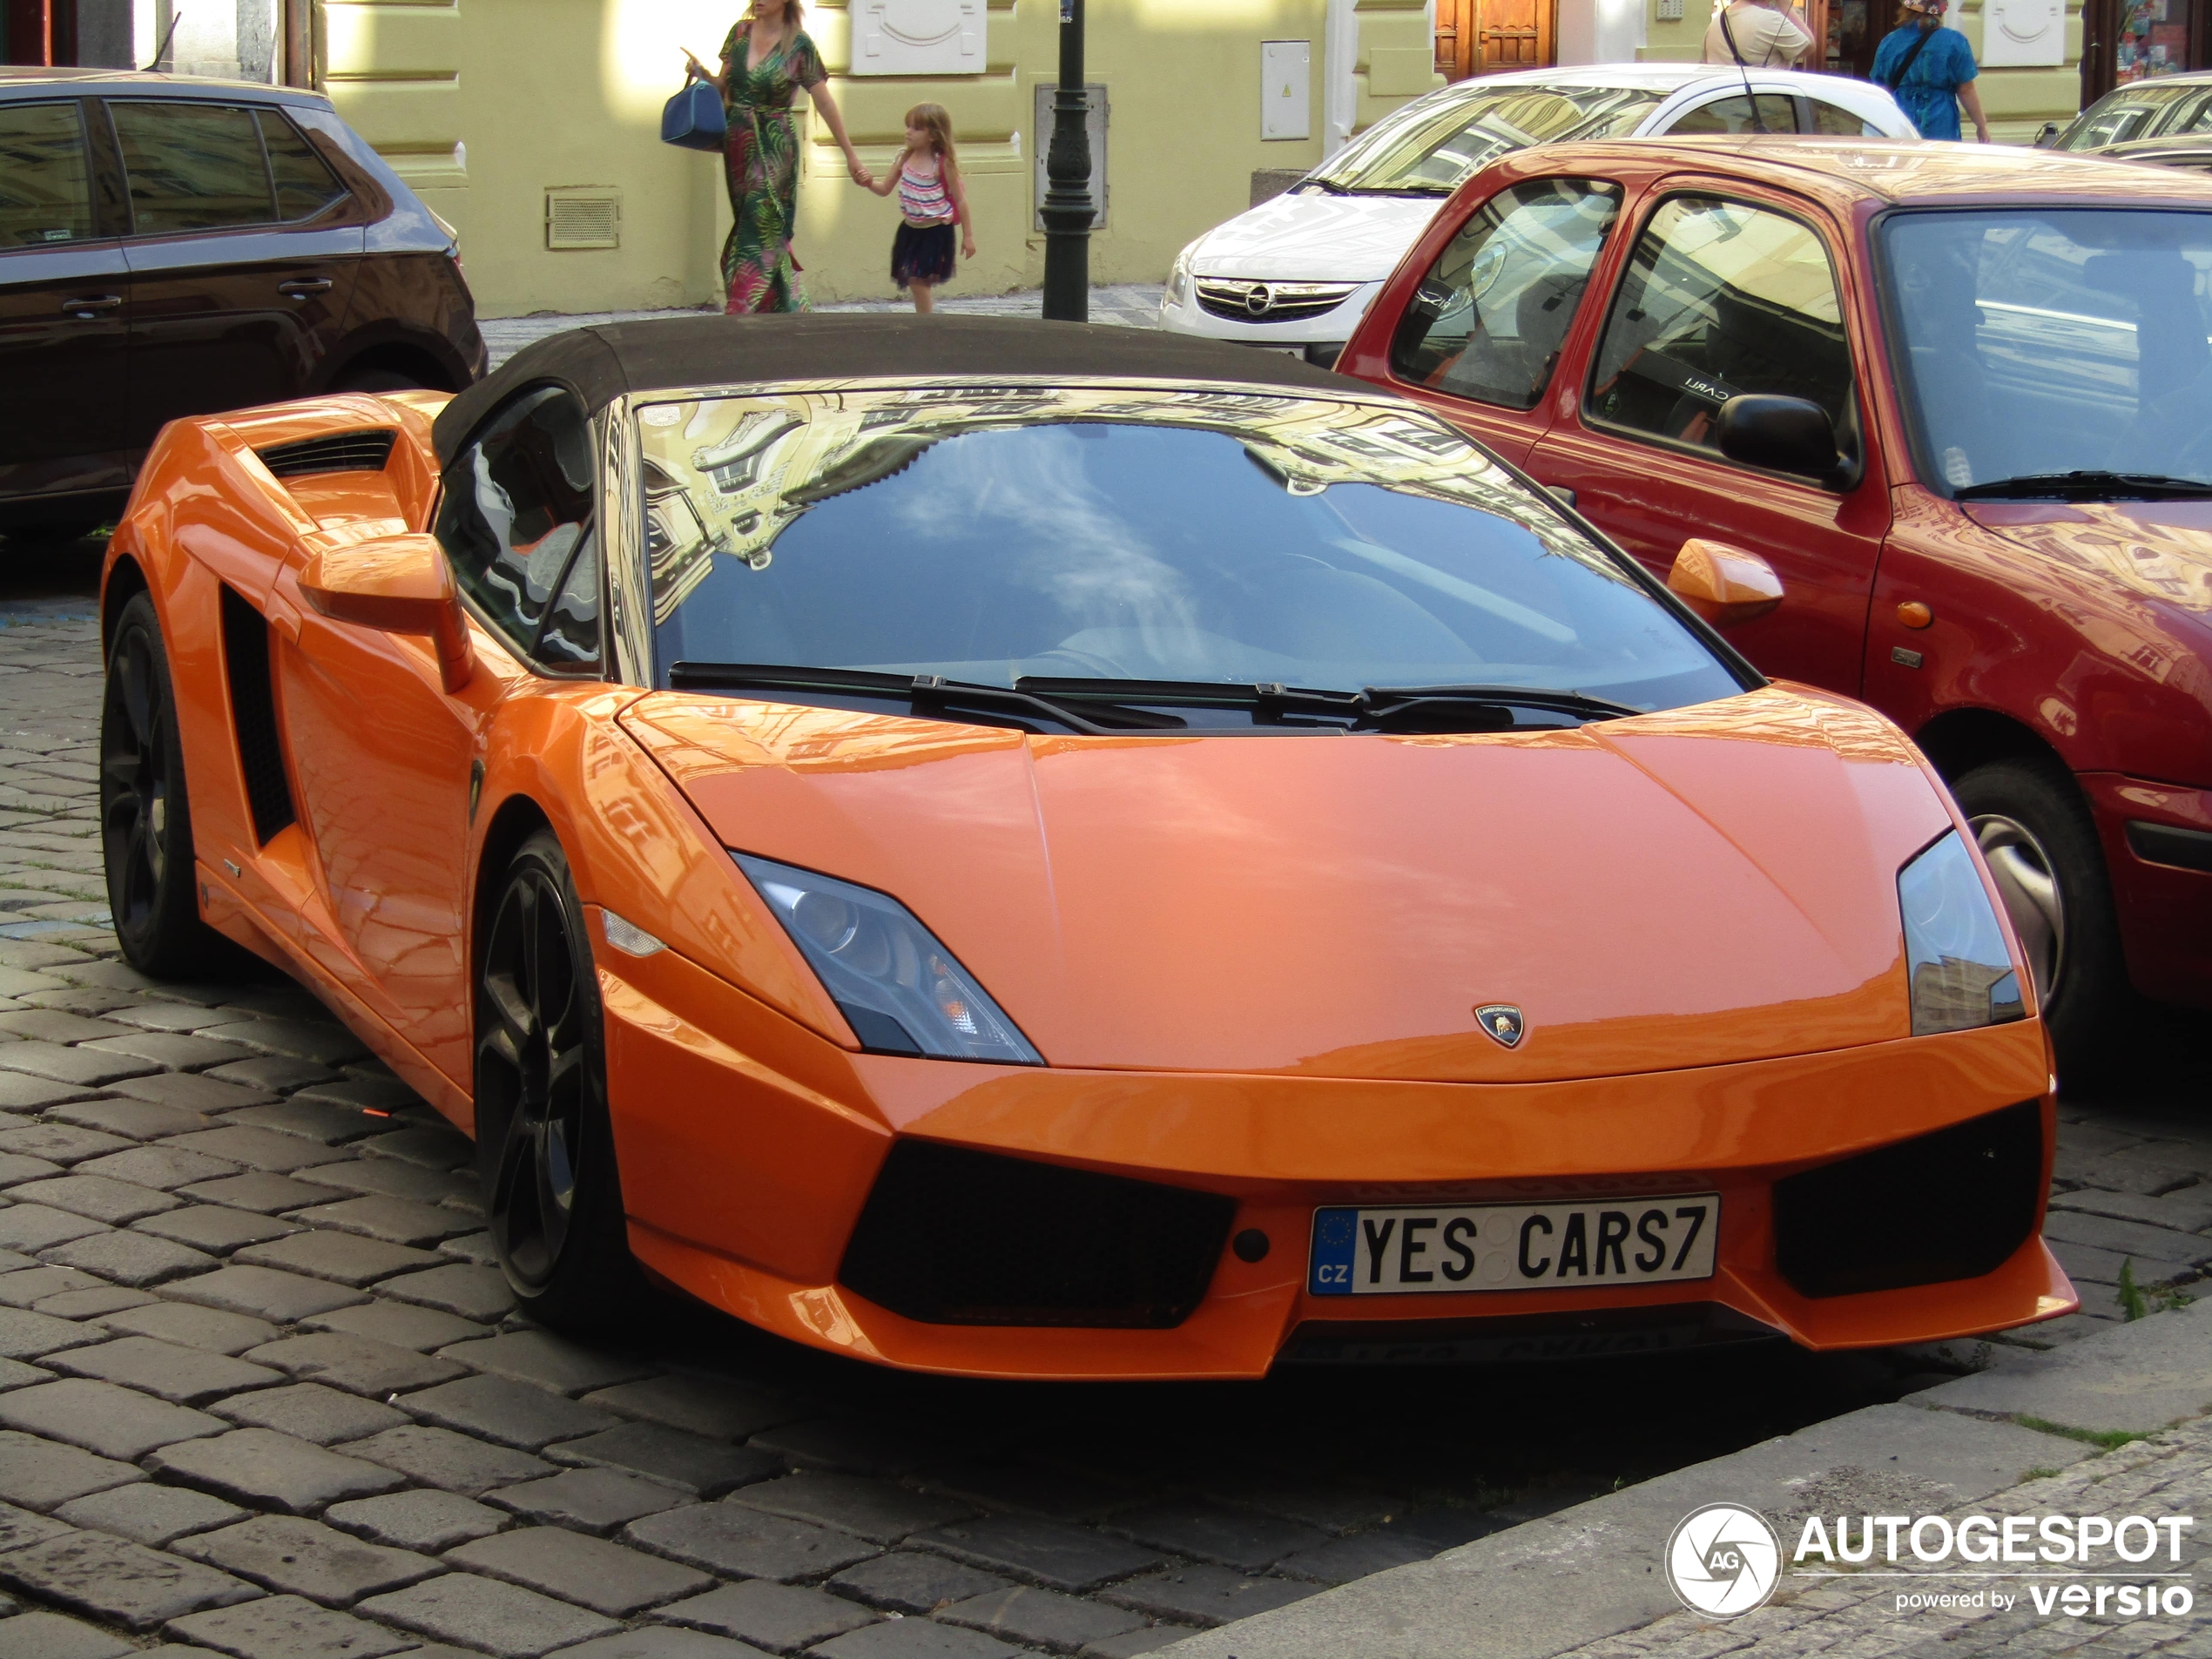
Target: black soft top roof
column 606, row 361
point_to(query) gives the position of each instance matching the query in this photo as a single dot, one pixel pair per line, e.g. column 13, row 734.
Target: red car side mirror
column 397, row 585
column 1723, row 584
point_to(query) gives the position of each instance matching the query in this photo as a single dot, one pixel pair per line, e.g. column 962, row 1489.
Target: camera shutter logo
column 1724, row 1560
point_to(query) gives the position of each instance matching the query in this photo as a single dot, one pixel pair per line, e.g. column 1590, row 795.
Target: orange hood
column 1711, row 885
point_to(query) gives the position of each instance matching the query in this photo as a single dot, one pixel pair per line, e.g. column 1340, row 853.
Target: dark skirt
column 921, row 253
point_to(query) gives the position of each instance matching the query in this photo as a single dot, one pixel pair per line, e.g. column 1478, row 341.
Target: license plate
column 1411, row 1250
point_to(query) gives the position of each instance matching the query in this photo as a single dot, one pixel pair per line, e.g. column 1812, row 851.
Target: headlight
column 901, row 991
column 1179, row 279
column 1961, row 975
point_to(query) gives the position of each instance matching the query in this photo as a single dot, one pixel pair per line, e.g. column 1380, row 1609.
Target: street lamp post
column 1067, row 209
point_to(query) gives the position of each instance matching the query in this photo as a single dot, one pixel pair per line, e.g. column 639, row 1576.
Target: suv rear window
column 212, row 167
column 45, row 188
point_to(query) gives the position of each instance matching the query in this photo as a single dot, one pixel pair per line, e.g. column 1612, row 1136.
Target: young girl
column 932, row 201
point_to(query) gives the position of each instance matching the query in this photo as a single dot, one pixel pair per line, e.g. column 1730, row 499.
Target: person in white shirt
column 1754, row 35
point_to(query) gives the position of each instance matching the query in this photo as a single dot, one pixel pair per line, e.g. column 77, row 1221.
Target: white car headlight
column 1178, row 292
column 1962, row 974
column 901, row 990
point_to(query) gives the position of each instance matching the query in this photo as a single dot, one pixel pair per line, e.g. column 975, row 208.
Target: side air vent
column 339, row 452
column 260, row 757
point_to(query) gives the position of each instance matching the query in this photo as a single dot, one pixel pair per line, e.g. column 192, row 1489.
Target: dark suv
column 172, row 247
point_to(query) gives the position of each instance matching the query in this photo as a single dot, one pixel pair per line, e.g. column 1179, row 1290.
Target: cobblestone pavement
column 1134, row 305
column 262, row 1392
column 1859, row 1614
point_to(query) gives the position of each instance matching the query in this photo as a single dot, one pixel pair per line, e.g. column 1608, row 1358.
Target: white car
column 1299, row 272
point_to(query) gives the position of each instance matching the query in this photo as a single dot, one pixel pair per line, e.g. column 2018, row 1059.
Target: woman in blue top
column 1930, row 70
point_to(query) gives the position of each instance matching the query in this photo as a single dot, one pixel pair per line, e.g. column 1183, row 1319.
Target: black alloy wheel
column 145, row 815
column 544, row 1148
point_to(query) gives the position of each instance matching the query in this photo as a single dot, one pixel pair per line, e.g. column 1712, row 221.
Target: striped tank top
column 922, row 198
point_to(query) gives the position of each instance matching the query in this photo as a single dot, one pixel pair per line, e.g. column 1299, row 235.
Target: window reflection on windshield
column 986, row 534
column 1431, row 150
column 2056, row 340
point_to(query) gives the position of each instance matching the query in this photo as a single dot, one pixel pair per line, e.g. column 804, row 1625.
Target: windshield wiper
column 1385, row 702
column 2085, row 485
column 1328, row 185
column 923, row 690
column 1117, row 707
column 1480, row 707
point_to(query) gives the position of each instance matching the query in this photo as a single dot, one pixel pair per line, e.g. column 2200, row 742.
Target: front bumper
column 749, row 1147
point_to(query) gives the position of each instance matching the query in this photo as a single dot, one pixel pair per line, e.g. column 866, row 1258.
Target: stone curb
column 1592, row 1571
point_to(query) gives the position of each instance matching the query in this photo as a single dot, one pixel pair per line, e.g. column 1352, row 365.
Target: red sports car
column 1961, row 400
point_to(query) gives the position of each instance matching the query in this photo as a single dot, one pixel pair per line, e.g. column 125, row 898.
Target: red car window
column 1719, row 297
column 1487, row 321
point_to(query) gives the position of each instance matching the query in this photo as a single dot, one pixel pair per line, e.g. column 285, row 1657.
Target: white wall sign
column 1285, row 88
column 918, row 38
column 2016, row 33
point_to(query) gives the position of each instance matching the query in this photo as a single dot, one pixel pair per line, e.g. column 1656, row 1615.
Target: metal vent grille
column 339, row 452
column 1235, row 300
column 260, row 755
column 582, row 218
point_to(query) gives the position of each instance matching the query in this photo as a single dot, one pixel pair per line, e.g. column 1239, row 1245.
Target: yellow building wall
column 485, row 105
column 2017, row 101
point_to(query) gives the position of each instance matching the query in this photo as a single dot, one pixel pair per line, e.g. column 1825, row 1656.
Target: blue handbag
column 694, row 119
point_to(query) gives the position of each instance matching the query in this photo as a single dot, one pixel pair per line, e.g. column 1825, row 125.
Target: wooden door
column 1514, row 34
column 1456, row 28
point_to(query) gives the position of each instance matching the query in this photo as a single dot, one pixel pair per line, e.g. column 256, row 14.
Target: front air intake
column 1950, row 1205
column 952, row 1236
column 339, row 452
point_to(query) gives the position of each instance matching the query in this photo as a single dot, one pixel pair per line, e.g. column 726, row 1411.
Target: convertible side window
column 1720, row 298
column 1489, row 319
column 516, row 526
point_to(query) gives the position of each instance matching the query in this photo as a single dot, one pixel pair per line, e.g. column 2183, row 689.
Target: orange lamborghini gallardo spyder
column 1020, row 850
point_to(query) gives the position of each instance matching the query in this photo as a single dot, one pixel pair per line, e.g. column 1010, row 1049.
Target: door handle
column 303, row 287
column 93, row 304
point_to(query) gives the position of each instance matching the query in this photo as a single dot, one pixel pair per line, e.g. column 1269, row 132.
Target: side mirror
column 2048, row 135
column 1784, row 434
column 1723, row 584
column 397, row 585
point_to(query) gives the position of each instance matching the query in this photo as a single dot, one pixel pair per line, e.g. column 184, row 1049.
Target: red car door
column 1729, row 290
column 1483, row 335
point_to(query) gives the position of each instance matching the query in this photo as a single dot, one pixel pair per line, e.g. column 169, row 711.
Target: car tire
column 2041, row 844
column 145, row 810
column 375, row 379
column 544, row 1146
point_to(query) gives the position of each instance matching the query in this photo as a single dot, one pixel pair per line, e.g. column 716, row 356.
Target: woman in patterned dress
column 766, row 59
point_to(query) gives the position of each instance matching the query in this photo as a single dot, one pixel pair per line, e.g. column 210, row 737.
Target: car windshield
column 1428, row 150
column 2138, row 111
column 2043, row 342
column 1002, row 534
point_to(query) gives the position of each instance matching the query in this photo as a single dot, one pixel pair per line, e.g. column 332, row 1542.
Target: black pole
column 1068, row 208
